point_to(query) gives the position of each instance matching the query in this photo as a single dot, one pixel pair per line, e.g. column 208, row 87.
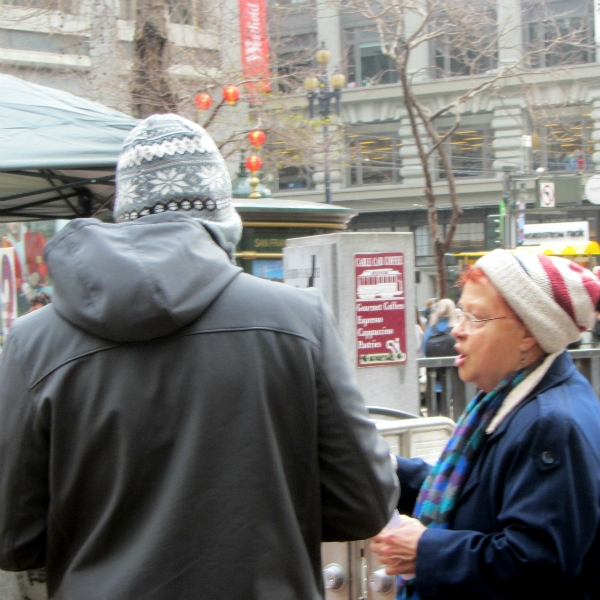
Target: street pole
column 510, row 222
column 319, row 90
column 324, row 101
column 326, row 165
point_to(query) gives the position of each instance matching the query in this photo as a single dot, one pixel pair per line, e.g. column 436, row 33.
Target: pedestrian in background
column 441, row 321
column 171, row 427
column 39, row 300
column 429, row 308
column 512, row 508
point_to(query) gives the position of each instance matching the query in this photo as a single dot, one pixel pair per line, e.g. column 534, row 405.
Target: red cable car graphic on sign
column 379, row 283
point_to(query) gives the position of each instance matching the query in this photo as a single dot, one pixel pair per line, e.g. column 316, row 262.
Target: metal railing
column 446, row 395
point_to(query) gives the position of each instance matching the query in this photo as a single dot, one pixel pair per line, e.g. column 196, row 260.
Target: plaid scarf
column 440, row 490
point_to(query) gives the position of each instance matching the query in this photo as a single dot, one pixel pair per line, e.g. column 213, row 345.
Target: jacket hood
column 136, row 280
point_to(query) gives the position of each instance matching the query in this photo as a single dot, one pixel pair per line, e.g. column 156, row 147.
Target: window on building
column 423, row 241
column 563, row 144
column 66, row 6
column 127, row 9
column 366, row 63
column 468, row 237
column 287, row 167
column 470, row 152
column 374, row 158
column 289, row 2
column 293, row 178
column 295, row 61
column 559, row 33
column 184, row 12
column 467, row 39
column 43, row 42
column 453, row 61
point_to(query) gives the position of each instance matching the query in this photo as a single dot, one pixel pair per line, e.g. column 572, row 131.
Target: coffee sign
column 380, row 308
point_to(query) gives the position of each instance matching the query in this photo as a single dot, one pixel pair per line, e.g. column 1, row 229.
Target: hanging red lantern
column 254, row 163
column 231, row 94
column 257, row 138
column 203, row 101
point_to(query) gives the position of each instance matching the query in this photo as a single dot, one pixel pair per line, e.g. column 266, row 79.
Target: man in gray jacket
column 170, row 427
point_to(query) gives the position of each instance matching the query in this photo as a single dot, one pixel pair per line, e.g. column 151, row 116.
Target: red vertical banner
column 255, row 46
column 380, row 308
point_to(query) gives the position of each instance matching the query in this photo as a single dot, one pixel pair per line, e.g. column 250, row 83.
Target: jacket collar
column 561, row 369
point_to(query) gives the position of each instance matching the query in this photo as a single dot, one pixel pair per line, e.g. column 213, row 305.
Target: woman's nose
column 458, row 331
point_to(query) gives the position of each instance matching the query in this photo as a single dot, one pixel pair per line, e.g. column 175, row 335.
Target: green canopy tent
column 58, row 153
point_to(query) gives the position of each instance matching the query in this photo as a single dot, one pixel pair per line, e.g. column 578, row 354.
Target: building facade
column 543, row 124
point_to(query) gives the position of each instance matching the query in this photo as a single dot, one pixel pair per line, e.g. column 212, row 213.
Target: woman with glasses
column 512, row 508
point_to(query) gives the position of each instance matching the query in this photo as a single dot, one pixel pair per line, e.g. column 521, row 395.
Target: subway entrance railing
column 441, row 374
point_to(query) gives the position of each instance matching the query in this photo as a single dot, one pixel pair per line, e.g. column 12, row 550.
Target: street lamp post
column 510, row 223
column 322, row 91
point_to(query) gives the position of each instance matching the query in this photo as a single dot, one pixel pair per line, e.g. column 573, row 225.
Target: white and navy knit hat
column 555, row 297
column 168, row 163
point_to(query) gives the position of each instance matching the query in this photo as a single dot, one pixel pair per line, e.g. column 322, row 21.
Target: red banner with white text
column 256, row 64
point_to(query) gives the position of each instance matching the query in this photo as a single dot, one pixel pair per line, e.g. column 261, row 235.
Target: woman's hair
column 474, row 274
column 444, row 308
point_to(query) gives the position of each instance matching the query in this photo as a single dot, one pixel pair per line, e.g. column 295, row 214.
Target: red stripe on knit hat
column 590, row 282
column 559, row 287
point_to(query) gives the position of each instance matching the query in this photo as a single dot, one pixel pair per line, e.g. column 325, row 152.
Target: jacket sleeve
column 412, row 472
column 24, row 493
column 359, row 489
column 549, row 517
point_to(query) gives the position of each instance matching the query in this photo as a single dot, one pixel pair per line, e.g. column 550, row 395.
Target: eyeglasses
column 471, row 322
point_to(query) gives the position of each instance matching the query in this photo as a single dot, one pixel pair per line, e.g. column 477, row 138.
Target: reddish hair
column 473, row 274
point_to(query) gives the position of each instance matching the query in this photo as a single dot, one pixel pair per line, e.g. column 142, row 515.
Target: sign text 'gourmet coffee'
column 380, row 308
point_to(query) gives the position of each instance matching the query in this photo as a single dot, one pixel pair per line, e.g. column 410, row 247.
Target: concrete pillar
column 231, row 64
column 594, row 94
column 597, row 26
column 329, row 30
column 229, row 32
column 333, row 263
column 509, row 125
column 510, row 31
column 106, row 71
column 412, row 171
column 419, row 63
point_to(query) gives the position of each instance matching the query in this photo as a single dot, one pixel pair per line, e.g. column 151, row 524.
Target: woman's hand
column 397, row 548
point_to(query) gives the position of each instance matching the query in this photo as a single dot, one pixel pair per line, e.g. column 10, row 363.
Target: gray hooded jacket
column 172, row 428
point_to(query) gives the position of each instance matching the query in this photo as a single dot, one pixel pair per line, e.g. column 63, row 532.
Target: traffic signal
column 494, row 231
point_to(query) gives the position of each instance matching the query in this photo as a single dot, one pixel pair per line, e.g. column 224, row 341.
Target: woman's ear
column 527, row 341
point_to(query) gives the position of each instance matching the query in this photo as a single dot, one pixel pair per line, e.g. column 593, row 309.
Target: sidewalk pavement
column 8, row 587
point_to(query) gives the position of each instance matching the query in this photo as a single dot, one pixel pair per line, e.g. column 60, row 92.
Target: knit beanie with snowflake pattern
column 168, row 163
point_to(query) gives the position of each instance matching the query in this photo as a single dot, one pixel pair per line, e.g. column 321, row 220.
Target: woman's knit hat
column 555, row 297
column 168, row 163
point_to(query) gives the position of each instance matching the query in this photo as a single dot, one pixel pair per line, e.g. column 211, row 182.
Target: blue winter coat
column 527, row 522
